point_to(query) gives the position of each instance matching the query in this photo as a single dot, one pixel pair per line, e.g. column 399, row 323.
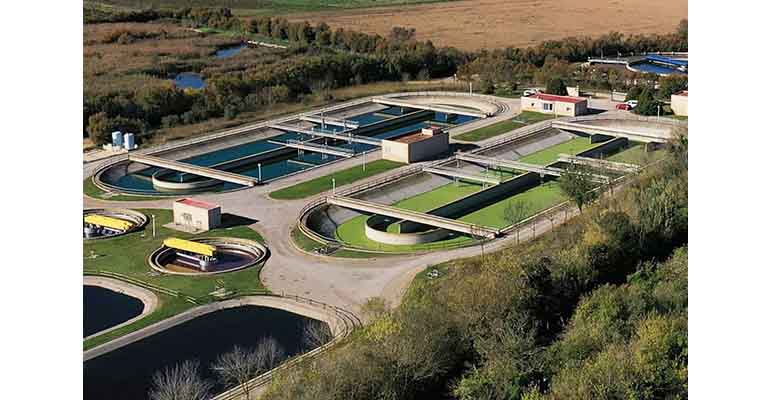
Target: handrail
column 350, row 323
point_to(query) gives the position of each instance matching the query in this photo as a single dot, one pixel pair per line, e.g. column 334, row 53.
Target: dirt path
column 475, row 24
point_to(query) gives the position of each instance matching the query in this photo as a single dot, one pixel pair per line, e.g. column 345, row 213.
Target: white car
column 633, row 103
column 530, row 92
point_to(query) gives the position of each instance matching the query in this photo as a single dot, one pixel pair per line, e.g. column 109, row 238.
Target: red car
column 623, row 106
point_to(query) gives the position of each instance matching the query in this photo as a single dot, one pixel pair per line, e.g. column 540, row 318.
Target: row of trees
column 323, row 59
column 554, row 318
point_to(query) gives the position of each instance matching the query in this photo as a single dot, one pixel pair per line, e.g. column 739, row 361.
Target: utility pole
column 334, row 186
column 153, row 225
column 259, row 172
column 364, row 165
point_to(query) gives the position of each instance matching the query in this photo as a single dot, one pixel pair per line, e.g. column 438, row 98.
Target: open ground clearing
column 475, row 24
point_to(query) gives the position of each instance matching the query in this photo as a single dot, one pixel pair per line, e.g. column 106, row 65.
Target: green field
column 636, row 154
column 530, row 117
column 490, row 131
column 551, row 154
column 538, row 198
column 127, row 255
column 324, row 183
column 521, row 120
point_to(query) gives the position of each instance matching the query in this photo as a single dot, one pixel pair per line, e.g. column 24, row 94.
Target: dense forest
column 597, row 309
column 318, row 59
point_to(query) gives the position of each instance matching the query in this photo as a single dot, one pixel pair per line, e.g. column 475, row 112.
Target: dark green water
column 126, row 373
column 103, row 308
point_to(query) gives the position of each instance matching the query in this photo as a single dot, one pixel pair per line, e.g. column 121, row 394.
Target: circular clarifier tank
column 192, row 257
column 100, row 223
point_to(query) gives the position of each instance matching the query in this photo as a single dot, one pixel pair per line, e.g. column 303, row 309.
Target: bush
column 556, row 86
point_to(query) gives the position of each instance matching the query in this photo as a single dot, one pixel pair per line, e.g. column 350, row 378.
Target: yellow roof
column 107, row 222
column 193, row 247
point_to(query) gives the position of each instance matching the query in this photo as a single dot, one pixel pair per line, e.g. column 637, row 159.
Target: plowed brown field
column 475, row 24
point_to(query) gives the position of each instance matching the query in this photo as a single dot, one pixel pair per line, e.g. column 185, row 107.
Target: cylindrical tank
column 117, row 139
column 128, row 141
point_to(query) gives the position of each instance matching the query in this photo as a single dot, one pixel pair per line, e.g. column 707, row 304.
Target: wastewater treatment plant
column 265, row 229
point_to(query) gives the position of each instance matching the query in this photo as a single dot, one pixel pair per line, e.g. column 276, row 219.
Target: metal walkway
column 331, row 121
column 332, row 135
column 475, row 158
column 417, row 106
column 597, row 163
column 418, row 217
column 645, row 137
column 551, row 171
column 194, row 169
column 335, row 151
column 456, row 173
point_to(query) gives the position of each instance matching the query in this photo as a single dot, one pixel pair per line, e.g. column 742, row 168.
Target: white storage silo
column 117, row 139
column 128, row 141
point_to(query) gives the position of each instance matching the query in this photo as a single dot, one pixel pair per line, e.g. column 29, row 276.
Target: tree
column 180, row 382
column 672, row 84
column 556, row 86
column 577, row 184
column 478, row 233
column 269, row 354
column 240, row 365
column 237, row 367
column 647, row 103
column 514, row 213
column 315, row 334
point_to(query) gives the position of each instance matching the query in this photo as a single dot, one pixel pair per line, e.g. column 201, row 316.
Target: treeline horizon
column 319, row 59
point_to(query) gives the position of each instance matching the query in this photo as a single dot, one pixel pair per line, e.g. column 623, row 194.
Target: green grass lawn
column 551, row 154
column 499, row 128
column 530, row 117
column 128, row 254
column 636, row 154
column 352, row 231
column 324, row 183
column 490, row 131
column 537, row 199
column 435, row 198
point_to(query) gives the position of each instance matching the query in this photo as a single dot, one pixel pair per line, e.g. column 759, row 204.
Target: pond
column 229, row 51
column 104, row 308
column 126, row 373
column 189, row 80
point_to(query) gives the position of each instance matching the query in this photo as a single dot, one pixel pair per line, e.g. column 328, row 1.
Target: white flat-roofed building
column 196, row 214
column 569, row 106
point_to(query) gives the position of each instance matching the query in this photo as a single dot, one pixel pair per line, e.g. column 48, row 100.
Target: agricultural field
column 476, row 24
column 273, row 7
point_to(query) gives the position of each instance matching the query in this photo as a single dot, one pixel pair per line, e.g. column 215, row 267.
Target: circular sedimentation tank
column 232, row 254
column 103, row 223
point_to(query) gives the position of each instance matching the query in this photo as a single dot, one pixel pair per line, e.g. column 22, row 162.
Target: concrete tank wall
column 375, row 229
column 605, row 148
